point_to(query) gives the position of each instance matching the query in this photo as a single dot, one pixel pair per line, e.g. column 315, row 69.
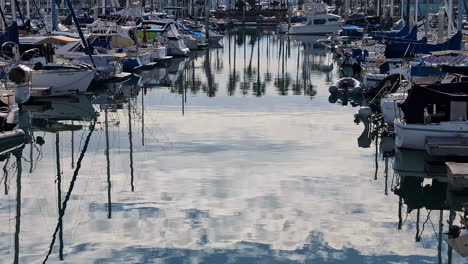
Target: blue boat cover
column 351, row 32
column 184, row 27
column 196, row 33
column 11, row 34
column 412, row 36
column 408, row 49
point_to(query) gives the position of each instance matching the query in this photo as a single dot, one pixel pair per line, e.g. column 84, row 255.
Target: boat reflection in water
column 423, row 187
column 227, row 183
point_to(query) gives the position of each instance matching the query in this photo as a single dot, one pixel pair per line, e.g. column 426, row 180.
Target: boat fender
column 18, row 75
column 378, row 62
column 356, row 90
column 333, row 89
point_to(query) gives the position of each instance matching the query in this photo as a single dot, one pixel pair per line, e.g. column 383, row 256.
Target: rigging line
column 70, row 189
column 427, row 219
column 5, row 175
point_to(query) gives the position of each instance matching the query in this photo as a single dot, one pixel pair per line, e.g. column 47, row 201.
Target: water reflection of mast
column 70, row 190
column 450, row 224
column 400, row 207
column 59, row 192
column 19, row 171
column 31, row 152
column 259, row 87
column 109, row 184
column 386, row 174
column 5, row 175
column 72, row 148
column 131, row 145
column 143, row 116
column 418, row 216
column 439, row 246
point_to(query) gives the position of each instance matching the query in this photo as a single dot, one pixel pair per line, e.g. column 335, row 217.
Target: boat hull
column 313, row 29
column 63, row 82
column 177, row 48
column 413, row 136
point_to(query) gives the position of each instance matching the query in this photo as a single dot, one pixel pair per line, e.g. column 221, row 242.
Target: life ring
column 378, row 62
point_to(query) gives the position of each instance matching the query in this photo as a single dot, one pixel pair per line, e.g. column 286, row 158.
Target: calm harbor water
column 234, row 155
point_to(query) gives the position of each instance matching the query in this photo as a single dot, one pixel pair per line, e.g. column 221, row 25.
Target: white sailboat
column 433, row 112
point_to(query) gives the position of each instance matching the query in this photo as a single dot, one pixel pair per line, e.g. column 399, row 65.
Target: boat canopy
column 412, row 37
column 46, row 40
column 421, row 100
column 406, row 49
column 391, row 34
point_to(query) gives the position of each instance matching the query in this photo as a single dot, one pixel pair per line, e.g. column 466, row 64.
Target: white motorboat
column 319, row 22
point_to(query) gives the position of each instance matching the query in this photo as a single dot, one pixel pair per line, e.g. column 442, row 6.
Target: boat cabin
column 436, row 103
